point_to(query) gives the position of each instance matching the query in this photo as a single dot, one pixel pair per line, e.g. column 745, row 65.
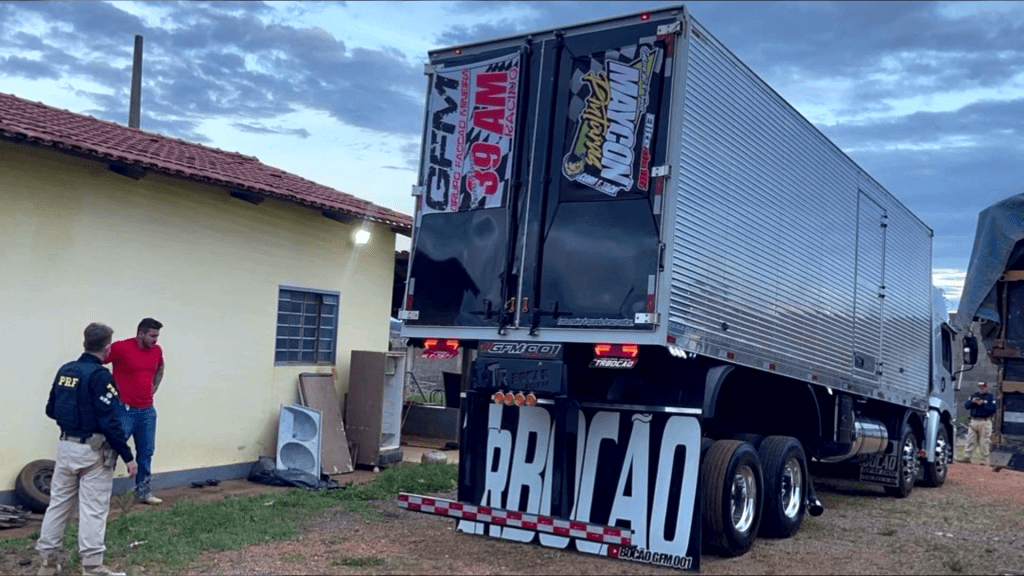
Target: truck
column 672, row 296
column 992, row 302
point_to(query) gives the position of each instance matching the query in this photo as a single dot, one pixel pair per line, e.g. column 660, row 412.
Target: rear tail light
column 616, row 350
column 440, row 348
column 514, row 398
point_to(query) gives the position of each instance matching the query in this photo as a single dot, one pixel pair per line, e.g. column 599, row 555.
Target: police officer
column 982, row 405
column 82, row 400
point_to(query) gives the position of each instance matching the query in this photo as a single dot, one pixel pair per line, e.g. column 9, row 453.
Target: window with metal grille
column 307, row 322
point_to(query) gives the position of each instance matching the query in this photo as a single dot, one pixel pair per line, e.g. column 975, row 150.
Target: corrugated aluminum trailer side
column 785, row 255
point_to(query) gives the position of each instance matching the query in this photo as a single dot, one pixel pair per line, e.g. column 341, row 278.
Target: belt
column 80, row 440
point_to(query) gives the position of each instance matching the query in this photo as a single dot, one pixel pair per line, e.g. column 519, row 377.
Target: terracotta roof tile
column 22, row 119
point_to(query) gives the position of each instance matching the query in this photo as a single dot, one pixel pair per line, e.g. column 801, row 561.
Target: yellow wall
column 79, row 243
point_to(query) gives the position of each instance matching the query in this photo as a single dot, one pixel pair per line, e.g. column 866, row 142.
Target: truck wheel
column 785, row 485
column 731, row 497
column 33, row 484
column 753, row 439
column 906, row 464
column 935, row 472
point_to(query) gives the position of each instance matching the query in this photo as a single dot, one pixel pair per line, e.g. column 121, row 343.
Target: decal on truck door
column 633, row 470
column 472, row 116
column 612, row 118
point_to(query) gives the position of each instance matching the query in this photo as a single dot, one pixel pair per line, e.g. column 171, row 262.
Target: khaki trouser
column 79, row 474
column 979, row 433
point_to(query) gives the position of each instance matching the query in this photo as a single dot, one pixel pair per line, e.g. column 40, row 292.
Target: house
column 254, row 272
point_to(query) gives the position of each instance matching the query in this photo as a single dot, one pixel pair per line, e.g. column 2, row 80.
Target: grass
column 357, row 561
column 172, row 538
column 17, row 543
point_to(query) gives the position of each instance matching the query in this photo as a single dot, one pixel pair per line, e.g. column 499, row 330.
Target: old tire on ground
column 906, row 464
column 731, row 497
column 935, row 472
column 784, row 466
column 33, row 485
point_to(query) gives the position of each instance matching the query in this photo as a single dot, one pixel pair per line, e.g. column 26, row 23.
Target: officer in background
column 982, row 405
column 83, row 400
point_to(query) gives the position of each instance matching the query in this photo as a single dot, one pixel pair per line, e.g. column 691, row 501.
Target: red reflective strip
column 408, row 302
column 546, row 521
column 562, row 531
column 469, row 515
column 577, row 526
column 650, row 303
column 515, row 515
column 530, row 525
column 456, row 506
column 484, row 510
column 414, row 506
column 428, row 501
column 613, row 531
column 403, row 497
column 627, row 541
column 594, row 536
column 498, row 520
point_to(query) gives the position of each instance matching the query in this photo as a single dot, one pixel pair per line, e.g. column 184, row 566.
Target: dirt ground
column 974, row 524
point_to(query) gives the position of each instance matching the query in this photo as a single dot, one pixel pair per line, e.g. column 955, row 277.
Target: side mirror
column 970, row 350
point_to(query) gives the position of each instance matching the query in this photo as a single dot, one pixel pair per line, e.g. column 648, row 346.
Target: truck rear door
column 540, row 188
column 472, row 159
column 592, row 243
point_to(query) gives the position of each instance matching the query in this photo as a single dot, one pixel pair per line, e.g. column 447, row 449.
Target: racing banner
column 471, row 135
column 633, row 470
column 612, row 115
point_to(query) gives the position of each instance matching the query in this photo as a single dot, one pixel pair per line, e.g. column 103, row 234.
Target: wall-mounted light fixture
column 362, row 236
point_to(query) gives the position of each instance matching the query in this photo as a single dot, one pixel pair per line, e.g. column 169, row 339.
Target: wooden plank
column 317, row 391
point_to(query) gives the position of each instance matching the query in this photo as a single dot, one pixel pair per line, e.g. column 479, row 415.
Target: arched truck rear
column 672, row 294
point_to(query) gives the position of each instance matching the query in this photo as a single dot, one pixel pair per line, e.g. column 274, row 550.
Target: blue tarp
column 996, row 244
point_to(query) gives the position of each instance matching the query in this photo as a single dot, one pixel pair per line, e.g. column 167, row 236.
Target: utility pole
column 135, row 106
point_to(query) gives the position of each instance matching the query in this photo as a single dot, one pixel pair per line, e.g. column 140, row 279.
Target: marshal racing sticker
column 612, row 118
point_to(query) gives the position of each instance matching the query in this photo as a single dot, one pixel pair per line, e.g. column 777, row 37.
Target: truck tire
column 784, row 465
column 33, row 484
column 753, row 439
column 935, row 472
column 906, row 464
column 731, row 497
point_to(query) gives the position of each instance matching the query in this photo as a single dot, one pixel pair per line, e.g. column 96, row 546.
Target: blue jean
column 140, row 423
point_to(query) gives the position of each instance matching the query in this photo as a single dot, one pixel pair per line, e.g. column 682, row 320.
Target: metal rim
column 943, row 456
column 744, row 498
column 42, row 480
column 908, row 454
column 792, row 488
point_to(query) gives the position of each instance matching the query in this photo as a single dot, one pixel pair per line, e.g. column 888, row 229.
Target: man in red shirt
column 138, row 368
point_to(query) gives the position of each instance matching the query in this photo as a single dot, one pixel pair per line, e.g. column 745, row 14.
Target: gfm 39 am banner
column 632, row 470
column 470, row 139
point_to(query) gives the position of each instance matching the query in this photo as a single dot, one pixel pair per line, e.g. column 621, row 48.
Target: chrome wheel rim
column 909, row 457
column 792, row 488
column 943, row 456
column 744, row 498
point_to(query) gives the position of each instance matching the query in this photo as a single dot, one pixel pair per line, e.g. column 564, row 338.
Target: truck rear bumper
column 489, row 515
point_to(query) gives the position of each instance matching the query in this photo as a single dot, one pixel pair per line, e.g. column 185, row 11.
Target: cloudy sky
column 928, row 97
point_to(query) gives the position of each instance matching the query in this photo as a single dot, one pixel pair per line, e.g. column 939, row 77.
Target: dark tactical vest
column 73, row 408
